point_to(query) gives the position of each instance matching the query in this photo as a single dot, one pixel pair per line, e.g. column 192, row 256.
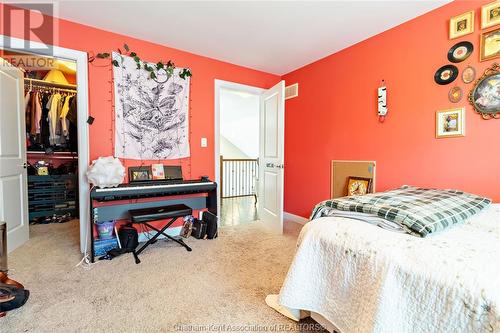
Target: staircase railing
column 238, row 177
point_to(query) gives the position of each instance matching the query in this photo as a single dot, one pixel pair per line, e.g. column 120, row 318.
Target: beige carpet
column 219, row 287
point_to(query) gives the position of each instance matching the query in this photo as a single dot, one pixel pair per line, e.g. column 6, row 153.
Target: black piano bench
column 146, row 215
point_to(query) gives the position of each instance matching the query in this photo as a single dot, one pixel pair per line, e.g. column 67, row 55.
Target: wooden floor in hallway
column 239, row 210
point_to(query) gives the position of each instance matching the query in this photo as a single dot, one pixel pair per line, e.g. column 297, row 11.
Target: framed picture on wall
column 139, row 174
column 462, row 25
column 450, row 123
column 468, row 74
column 359, row 186
column 490, row 14
column 490, row 45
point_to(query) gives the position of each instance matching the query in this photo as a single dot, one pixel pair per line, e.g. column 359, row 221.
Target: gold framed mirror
column 485, row 95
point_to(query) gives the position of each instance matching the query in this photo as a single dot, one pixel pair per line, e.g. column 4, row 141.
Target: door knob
column 25, row 165
column 269, row 165
column 280, row 166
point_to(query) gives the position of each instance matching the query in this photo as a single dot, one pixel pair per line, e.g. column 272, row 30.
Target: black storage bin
column 52, row 195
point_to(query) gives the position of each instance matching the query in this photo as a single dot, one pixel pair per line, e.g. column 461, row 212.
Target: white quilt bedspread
column 366, row 279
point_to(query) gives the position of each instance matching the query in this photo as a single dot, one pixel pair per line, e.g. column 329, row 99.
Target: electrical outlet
column 204, row 142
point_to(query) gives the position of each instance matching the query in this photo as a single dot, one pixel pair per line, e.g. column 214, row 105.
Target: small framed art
column 462, row 25
column 455, row 94
column 359, row 186
column 490, row 45
column 468, row 74
column 157, row 171
column 139, row 174
column 450, row 123
column 490, row 14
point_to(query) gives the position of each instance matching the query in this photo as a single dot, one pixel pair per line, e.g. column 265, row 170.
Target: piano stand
column 116, row 203
column 158, row 233
column 146, row 215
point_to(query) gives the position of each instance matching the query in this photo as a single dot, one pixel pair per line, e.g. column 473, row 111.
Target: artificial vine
column 168, row 67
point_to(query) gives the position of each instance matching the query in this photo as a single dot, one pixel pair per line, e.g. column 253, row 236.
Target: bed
column 357, row 277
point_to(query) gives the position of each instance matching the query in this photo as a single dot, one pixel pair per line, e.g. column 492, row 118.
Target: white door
column 13, row 181
column 271, row 157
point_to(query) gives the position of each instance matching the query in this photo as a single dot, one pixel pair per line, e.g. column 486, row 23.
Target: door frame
column 81, row 59
column 219, row 85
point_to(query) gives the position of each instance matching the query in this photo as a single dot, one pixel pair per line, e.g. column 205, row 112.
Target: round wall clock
column 446, row 74
column 455, row 94
column 460, row 51
column 468, row 74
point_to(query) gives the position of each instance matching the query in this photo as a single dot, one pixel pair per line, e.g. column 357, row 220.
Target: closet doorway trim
column 81, row 60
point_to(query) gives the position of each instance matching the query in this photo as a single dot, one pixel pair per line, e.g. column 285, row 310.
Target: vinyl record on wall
column 446, row 74
column 460, row 51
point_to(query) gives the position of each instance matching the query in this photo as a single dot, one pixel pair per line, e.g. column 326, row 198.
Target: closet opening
column 50, row 96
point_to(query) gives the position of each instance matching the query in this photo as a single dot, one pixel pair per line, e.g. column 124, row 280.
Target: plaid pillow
column 420, row 211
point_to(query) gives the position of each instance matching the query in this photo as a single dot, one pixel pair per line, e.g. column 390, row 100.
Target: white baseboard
column 294, row 218
column 173, row 232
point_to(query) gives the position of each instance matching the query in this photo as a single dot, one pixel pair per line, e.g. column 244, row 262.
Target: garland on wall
column 153, row 70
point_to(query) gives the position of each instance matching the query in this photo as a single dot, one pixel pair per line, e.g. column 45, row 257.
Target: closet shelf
column 54, row 153
column 43, row 83
column 58, row 155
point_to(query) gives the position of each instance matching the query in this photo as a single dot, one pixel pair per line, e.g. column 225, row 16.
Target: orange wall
column 335, row 115
column 205, row 71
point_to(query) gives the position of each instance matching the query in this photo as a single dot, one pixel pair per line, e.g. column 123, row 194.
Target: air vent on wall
column 292, row 91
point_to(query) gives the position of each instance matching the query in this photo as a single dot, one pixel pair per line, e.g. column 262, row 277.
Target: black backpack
column 129, row 240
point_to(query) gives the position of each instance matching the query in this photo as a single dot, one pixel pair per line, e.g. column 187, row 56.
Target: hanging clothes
column 73, row 124
column 51, row 120
column 27, row 99
column 64, row 121
column 54, row 112
column 27, row 111
column 58, row 115
column 29, row 102
column 36, row 114
column 71, row 116
column 44, row 122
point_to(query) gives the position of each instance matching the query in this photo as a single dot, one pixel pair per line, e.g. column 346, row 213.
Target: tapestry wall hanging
column 151, row 115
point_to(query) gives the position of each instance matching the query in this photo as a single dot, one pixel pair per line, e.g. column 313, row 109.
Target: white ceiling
column 275, row 37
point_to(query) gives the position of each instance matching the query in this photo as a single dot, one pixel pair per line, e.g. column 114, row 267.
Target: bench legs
column 154, row 238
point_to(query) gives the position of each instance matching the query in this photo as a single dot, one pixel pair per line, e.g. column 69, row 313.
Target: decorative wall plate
column 455, row 94
column 446, row 74
column 460, row 51
column 485, row 96
column 468, row 74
